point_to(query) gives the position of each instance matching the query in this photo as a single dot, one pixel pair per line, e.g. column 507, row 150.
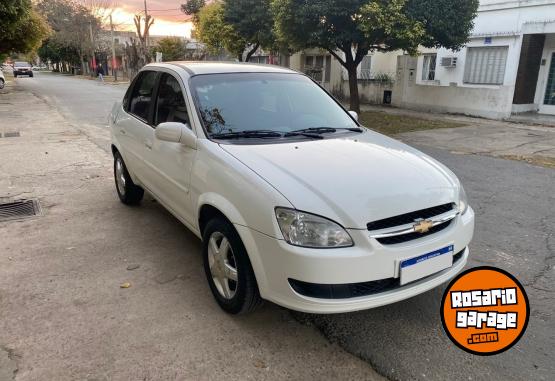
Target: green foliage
column 447, row 23
column 71, row 23
column 172, row 49
column 215, row 33
column 21, row 28
column 252, row 21
column 192, row 8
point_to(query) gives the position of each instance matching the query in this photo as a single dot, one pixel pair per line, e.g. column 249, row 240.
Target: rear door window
column 141, row 97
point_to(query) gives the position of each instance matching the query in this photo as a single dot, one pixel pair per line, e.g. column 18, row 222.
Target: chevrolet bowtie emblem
column 422, row 226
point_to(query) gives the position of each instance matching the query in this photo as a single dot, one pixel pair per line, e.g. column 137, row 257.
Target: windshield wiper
column 247, row 134
column 317, row 131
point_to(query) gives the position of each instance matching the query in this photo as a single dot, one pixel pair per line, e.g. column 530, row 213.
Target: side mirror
column 176, row 132
column 354, row 115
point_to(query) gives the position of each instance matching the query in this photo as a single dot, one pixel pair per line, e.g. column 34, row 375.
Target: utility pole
column 93, row 60
column 114, row 59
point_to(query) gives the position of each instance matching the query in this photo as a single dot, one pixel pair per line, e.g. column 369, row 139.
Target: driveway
column 66, row 312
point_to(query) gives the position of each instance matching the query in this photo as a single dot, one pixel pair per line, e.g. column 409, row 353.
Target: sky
column 168, row 19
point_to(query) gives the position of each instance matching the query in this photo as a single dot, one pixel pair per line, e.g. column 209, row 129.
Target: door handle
column 122, row 131
column 148, row 144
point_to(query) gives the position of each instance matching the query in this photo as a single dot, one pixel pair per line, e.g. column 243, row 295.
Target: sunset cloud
column 169, row 20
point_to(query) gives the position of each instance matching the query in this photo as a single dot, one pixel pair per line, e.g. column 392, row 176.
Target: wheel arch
column 211, row 205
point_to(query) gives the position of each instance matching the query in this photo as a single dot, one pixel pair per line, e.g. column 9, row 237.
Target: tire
column 15, row 75
column 242, row 294
column 128, row 192
column 1, row 83
column 31, row 75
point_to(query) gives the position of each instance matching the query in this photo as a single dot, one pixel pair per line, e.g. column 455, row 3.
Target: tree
column 192, row 8
column 252, row 21
column 22, row 29
column 72, row 24
column 142, row 32
column 216, row 33
column 172, row 48
column 349, row 29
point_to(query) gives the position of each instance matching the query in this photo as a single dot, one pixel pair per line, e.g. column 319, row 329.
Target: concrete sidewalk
column 517, row 141
column 63, row 315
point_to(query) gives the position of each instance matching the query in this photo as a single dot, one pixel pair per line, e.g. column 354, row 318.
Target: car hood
column 352, row 180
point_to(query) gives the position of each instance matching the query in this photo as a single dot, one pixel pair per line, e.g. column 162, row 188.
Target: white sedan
column 294, row 201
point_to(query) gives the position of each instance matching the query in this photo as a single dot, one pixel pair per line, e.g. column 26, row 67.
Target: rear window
column 141, row 96
column 22, row 64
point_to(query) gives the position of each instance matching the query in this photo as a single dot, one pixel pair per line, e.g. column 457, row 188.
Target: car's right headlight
column 309, row 230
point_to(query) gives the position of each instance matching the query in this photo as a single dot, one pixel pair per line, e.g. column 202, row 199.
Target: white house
column 508, row 66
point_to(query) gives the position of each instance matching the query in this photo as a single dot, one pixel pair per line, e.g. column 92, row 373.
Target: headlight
column 463, row 201
column 307, row 230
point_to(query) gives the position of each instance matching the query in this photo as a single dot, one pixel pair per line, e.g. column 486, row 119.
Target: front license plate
column 426, row 264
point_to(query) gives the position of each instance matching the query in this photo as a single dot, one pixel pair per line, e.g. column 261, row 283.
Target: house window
column 318, row 67
column 365, row 66
column 485, row 65
column 429, row 67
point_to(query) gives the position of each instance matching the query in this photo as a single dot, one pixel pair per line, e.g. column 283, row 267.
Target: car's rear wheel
column 228, row 268
column 15, row 75
column 31, row 75
column 128, row 192
column 1, row 83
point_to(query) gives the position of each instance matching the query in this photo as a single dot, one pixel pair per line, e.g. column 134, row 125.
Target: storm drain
column 19, row 209
column 14, row 134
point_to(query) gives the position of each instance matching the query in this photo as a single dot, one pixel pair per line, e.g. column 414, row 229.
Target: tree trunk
column 251, row 52
column 354, row 101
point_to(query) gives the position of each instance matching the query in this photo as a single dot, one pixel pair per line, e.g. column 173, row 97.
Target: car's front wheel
column 228, row 268
column 1, row 83
column 128, row 192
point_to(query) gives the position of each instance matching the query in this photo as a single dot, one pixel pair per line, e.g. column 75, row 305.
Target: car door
column 133, row 129
column 169, row 164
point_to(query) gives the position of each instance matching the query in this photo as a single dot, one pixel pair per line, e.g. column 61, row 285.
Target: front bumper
column 23, row 72
column 275, row 262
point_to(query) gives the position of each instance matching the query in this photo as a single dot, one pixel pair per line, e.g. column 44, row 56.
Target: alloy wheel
column 222, row 264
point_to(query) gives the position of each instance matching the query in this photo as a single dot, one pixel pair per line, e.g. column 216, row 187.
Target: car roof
column 203, row 67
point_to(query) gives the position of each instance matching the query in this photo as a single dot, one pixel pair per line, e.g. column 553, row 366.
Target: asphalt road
column 515, row 224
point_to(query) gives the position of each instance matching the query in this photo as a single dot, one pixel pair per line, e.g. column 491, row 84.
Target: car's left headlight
column 309, row 230
column 463, row 201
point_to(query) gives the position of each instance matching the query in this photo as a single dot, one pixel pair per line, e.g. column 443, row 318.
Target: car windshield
column 268, row 102
column 21, row 64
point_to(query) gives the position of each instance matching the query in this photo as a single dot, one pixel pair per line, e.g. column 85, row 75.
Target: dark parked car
column 22, row 68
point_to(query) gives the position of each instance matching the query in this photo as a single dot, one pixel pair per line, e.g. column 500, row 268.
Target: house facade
column 507, row 67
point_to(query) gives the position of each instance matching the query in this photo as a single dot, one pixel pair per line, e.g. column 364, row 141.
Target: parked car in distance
column 22, row 68
column 294, row 201
column 2, row 79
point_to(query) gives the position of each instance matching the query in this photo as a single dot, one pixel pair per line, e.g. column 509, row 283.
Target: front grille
column 343, row 291
column 351, row 290
column 410, row 236
column 409, row 218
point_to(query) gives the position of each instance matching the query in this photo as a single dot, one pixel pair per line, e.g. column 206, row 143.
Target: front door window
column 549, row 98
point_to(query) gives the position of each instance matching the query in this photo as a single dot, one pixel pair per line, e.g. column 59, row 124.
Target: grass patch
column 543, row 161
column 389, row 124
